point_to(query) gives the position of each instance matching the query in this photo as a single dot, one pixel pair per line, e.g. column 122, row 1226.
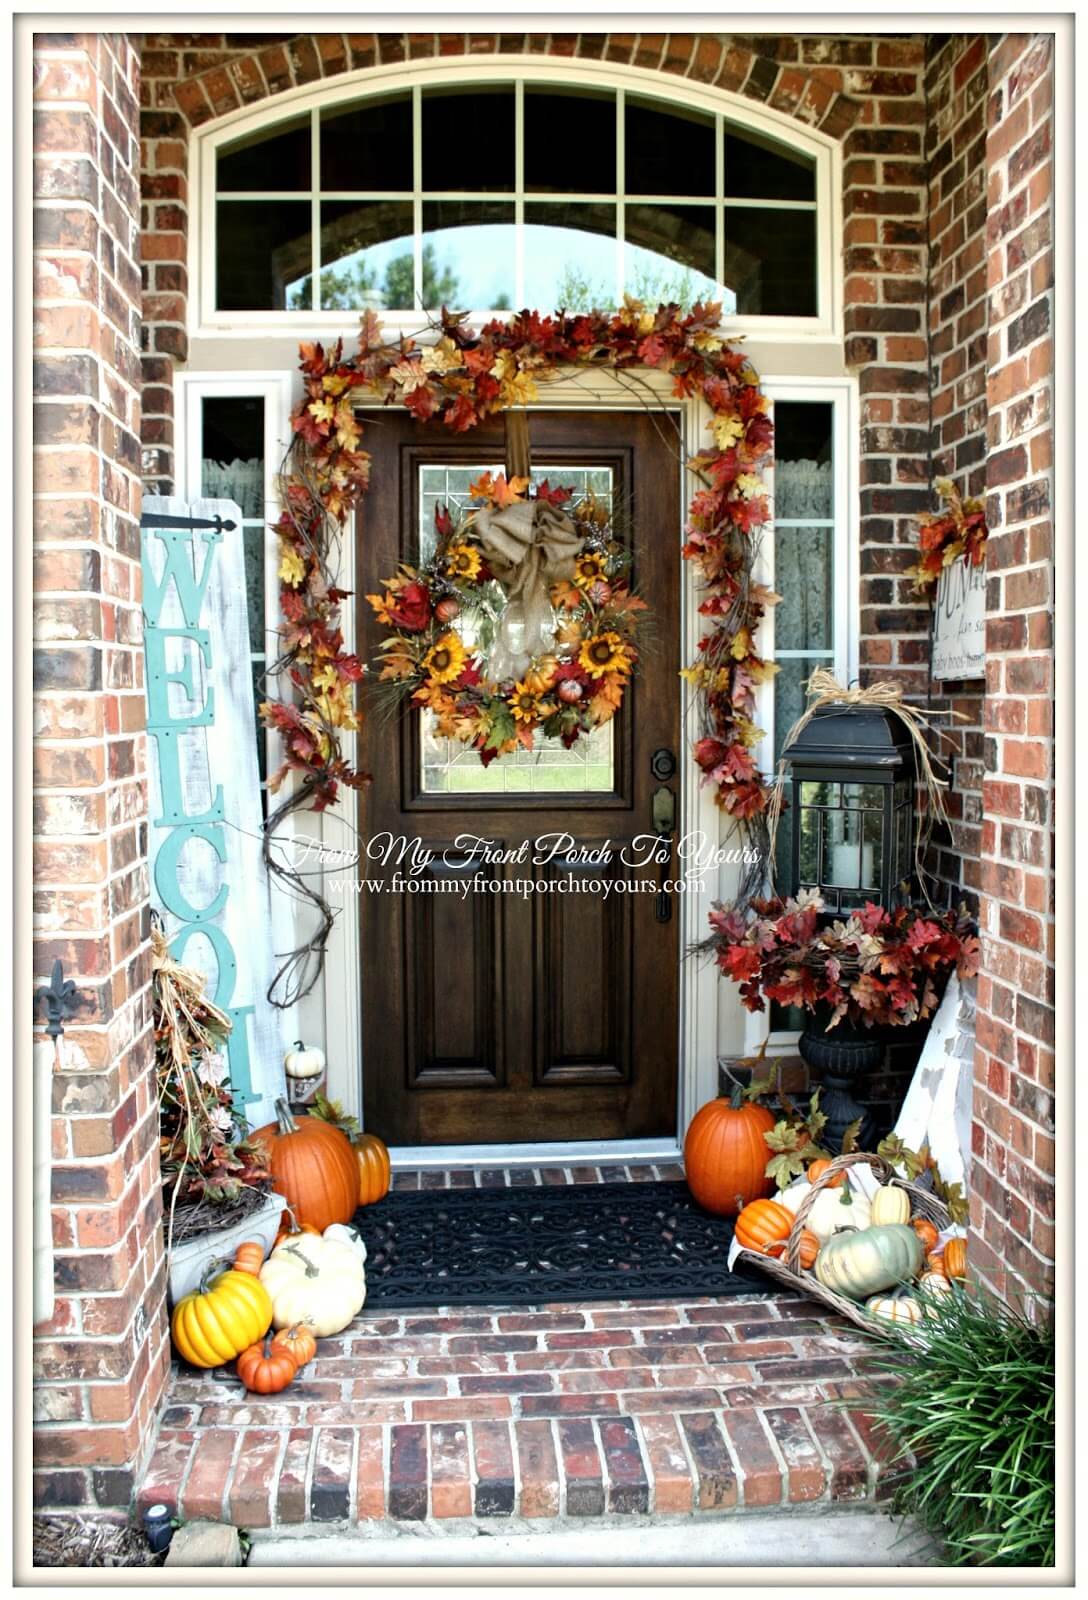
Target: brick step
column 555, row 1411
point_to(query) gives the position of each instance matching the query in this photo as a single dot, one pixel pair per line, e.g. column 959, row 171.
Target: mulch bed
column 75, row 1541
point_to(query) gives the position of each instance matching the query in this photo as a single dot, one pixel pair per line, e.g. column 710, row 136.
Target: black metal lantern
column 852, row 807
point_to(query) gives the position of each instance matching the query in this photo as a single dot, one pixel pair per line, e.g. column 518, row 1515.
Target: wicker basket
column 788, row 1271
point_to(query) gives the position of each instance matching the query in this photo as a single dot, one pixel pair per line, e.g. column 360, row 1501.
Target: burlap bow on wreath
column 528, row 545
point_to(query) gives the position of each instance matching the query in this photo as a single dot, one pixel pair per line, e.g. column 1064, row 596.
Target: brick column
column 100, row 1363
column 1012, row 1201
column 956, row 95
column 885, row 240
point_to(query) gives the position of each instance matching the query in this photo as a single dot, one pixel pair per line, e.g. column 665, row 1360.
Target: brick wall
column 956, row 93
column 101, row 1362
column 1012, row 1203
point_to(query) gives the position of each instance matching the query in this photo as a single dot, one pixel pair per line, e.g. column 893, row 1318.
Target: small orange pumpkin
column 955, row 1258
column 249, row 1257
column 299, row 1342
column 762, row 1223
column 810, row 1249
column 266, row 1368
column 373, row 1158
column 818, row 1168
column 925, row 1231
column 935, row 1263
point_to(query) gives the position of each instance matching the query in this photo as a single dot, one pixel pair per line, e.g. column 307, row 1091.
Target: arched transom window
column 498, row 195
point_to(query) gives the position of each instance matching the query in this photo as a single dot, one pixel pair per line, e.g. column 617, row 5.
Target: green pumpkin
column 859, row 1264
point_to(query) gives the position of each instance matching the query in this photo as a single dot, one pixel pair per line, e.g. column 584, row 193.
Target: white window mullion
column 519, row 194
column 719, row 201
column 621, row 193
column 315, row 207
column 417, row 194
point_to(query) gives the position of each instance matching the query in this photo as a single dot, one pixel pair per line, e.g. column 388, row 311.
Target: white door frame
column 710, row 1014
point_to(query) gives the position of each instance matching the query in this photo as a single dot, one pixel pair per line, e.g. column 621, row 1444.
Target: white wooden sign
column 208, row 877
column 959, row 627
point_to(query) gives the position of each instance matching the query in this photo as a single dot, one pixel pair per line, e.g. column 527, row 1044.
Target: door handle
column 663, row 821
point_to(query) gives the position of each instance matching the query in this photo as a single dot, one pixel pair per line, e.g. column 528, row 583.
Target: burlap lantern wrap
column 529, row 546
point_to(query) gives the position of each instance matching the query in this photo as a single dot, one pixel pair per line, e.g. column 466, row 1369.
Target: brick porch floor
column 556, row 1410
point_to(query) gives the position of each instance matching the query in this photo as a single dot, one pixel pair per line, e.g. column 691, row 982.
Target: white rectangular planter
column 187, row 1261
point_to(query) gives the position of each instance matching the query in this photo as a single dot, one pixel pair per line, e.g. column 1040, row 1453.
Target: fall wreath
column 458, row 377
column 522, row 620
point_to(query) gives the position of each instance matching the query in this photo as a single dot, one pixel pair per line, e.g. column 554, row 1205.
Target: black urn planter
column 842, row 1058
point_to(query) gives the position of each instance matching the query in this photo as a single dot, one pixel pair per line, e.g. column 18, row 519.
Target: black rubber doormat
column 593, row 1241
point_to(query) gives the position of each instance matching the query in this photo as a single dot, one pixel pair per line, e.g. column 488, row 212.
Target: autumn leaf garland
column 460, row 379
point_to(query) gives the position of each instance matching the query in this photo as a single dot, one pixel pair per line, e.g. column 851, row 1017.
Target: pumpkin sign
column 725, row 1156
column 313, row 1166
column 222, row 1317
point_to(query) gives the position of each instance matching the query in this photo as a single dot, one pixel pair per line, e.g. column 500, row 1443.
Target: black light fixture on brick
column 851, row 800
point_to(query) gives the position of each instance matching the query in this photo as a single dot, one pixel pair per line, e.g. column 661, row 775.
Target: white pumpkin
column 835, row 1209
column 894, row 1308
column 304, row 1061
column 317, row 1281
column 791, row 1198
column 348, row 1235
column 890, row 1203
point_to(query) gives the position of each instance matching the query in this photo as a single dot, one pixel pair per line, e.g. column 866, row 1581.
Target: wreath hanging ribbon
column 529, row 546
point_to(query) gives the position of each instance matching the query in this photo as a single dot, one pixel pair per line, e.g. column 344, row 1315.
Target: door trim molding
column 701, row 996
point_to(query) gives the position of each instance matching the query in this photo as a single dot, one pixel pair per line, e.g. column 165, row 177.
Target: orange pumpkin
column 763, row 1223
column 313, row 1167
column 925, row 1231
column 955, row 1258
column 810, row 1248
column 373, row 1159
column 725, row 1156
column 298, row 1340
column 935, row 1263
column 818, row 1168
column 266, row 1368
column 249, row 1257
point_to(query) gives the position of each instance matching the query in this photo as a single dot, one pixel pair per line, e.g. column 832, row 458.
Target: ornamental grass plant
column 973, row 1401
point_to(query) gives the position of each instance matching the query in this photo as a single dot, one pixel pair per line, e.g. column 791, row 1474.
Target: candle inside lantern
column 845, row 861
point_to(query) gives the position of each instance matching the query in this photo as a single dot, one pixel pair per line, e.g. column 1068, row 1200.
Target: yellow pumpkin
column 541, row 676
column 894, row 1308
column 890, row 1204
column 229, row 1312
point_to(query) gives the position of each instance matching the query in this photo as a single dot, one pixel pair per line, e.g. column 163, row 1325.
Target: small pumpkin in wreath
column 265, row 1367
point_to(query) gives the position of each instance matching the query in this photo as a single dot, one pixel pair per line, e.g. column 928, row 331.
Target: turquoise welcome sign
column 208, row 875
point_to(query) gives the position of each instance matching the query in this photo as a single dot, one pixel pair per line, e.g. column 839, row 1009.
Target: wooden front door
column 538, row 1011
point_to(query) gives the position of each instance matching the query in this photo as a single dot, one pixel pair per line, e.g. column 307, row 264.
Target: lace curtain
column 802, row 489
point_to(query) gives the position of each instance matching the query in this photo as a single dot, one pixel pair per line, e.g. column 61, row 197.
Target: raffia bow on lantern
column 529, row 545
column 824, row 689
